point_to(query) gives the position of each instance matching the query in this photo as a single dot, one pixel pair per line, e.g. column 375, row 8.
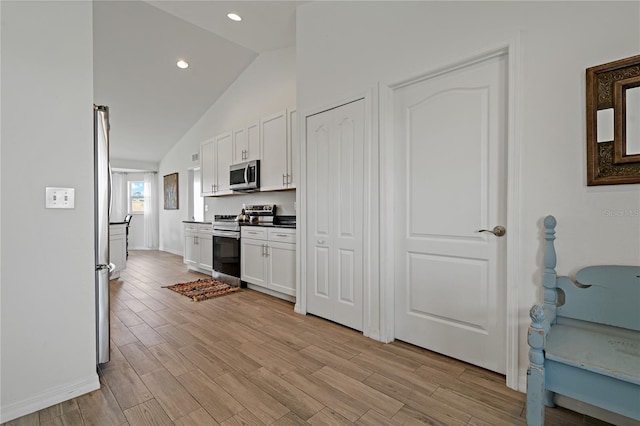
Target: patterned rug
column 202, row 289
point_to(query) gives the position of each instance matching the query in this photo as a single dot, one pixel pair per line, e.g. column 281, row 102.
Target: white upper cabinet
column 273, row 164
column 279, row 160
column 239, row 145
column 224, row 159
column 246, row 143
column 293, row 149
column 216, row 155
column 207, row 168
column 273, row 140
column 253, row 142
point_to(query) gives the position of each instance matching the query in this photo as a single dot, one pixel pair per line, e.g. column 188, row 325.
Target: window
column 136, row 197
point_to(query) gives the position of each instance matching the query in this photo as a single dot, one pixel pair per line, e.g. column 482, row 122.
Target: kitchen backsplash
column 232, row 204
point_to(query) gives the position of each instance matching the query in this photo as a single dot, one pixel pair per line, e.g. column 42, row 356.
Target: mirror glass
column 632, row 119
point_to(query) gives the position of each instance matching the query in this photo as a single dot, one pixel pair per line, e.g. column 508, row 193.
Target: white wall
column 345, row 48
column 268, row 85
column 47, row 256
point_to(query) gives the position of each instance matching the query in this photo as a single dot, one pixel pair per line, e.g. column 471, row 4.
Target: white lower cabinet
column 269, row 258
column 117, row 249
column 198, row 246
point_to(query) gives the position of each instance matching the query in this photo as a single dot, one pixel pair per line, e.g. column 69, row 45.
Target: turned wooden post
column 541, row 319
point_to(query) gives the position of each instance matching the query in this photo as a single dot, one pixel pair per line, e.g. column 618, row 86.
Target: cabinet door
column 118, row 251
column 273, row 165
column 252, row 262
column 191, row 250
column 253, row 142
column 281, row 266
column 207, row 167
column 205, row 247
column 224, row 158
column 239, row 145
column 293, row 148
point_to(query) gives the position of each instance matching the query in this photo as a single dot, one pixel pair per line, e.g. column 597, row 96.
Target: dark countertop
column 268, row 225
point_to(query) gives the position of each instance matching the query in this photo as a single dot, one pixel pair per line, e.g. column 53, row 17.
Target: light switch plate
column 60, row 198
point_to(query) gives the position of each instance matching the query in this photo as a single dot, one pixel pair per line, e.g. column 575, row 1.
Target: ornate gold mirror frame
column 608, row 161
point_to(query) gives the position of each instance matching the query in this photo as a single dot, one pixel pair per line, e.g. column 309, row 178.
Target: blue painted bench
column 584, row 342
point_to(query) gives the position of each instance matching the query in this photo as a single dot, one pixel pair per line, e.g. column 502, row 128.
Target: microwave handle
column 246, row 174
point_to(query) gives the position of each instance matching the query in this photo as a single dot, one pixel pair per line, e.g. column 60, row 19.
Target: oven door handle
column 229, row 234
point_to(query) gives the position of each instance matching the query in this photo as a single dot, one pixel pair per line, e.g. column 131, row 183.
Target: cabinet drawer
column 208, row 229
column 254, row 232
column 283, row 235
column 191, row 227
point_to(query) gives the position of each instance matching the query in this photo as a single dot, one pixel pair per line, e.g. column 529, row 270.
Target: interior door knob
column 498, row 231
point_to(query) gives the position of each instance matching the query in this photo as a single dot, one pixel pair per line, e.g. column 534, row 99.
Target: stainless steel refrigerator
column 102, row 191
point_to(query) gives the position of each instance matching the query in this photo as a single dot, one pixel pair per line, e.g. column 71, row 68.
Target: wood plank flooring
column 248, row 359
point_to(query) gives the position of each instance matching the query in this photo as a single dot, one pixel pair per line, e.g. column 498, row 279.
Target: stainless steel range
column 260, row 213
column 226, row 249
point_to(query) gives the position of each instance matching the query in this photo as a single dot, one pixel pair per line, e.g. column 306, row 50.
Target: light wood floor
column 248, row 359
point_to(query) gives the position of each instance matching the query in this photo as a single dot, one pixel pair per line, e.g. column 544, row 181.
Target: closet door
column 335, row 191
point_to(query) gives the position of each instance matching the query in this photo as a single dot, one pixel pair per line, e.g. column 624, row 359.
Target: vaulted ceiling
column 152, row 102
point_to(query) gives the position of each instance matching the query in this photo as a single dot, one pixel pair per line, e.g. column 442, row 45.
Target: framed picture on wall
column 171, row 191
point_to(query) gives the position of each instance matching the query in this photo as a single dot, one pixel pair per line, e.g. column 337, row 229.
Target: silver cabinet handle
column 282, row 235
column 283, row 178
column 320, row 241
column 498, row 231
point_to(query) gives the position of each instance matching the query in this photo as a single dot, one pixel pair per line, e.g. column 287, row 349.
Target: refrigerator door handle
column 110, row 189
column 103, row 266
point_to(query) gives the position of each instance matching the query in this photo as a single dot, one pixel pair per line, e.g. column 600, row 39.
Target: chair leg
column 535, row 396
column 548, row 399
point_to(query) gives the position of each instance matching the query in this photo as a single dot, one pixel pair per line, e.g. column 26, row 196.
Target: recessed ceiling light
column 182, row 64
column 234, row 16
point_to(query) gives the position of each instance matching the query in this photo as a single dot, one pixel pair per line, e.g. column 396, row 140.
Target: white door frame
column 370, row 214
column 387, row 219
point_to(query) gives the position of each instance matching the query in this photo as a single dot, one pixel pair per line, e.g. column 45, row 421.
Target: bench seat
column 607, row 354
column 584, row 342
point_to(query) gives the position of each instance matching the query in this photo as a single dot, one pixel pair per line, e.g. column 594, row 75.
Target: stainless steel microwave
column 245, row 177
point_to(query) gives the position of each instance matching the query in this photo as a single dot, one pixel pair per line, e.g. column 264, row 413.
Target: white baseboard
column 143, row 248
column 172, row 251
column 48, row 398
column 272, row 293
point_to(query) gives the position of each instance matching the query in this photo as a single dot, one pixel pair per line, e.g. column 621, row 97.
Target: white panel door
column 335, row 188
column 450, row 138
